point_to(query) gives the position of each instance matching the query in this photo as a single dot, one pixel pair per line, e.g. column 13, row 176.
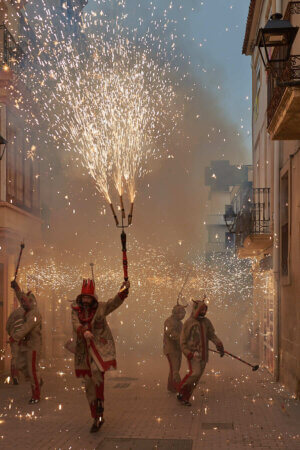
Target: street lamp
column 276, row 38
column 230, row 218
column 2, row 142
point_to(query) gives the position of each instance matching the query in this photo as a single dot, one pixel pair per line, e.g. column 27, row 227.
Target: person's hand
column 14, row 284
column 124, row 290
column 88, row 335
column 125, row 285
column 190, row 356
column 196, row 355
column 220, row 349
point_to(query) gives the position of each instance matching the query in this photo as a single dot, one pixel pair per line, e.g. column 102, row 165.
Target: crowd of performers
column 94, row 348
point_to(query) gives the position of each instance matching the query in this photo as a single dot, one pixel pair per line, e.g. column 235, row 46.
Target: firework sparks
column 112, row 103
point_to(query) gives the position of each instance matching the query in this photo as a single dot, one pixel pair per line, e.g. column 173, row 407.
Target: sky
column 210, row 35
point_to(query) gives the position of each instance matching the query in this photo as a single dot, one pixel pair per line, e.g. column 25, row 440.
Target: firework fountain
column 111, row 104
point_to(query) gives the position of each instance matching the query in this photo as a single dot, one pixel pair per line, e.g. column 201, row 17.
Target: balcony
column 16, row 224
column 12, row 62
column 253, row 225
column 284, row 89
column 11, row 54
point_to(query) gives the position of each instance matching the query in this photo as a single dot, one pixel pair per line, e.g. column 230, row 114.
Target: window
column 22, row 181
column 257, row 85
column 257, row 77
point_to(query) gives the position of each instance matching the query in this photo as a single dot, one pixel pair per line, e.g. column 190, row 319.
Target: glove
column 124, row 290
column 220, row 349
column 190, row 356
column 14, row 284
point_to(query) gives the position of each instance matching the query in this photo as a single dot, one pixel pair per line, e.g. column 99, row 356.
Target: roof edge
column 254, row 4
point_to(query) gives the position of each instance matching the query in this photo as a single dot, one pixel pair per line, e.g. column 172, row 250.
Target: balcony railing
column 286, row 73
column 11, row 54
column 292, row 8
column 261, row 211
column 256, row 219
column 285, row 76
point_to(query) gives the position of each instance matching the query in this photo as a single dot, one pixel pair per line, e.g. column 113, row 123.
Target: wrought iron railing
column 261, row 211
column 284, row 74
column 279, row 80
column 292, row 8
column 11, row 54
column 256, row 218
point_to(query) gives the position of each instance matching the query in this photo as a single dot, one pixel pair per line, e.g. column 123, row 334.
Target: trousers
column 174, row 379
column 28, row 364
column 15, row 350
column 94, row 390
column 192, row 378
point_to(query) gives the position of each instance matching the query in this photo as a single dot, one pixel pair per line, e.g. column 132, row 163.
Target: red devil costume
column 95, row 348
column 172, row 350
column 29, row 338
column 13, row 324
column 196, row 333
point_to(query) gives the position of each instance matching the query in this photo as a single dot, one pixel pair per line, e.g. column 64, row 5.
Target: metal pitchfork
column 123, row 234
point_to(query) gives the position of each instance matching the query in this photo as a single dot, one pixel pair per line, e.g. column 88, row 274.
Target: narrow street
column 149, row 214
column 234, row 408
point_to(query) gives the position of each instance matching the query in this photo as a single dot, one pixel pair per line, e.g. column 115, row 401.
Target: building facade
column 272, row 237
column 19, row 175
column 223, row 180
column 20, row 202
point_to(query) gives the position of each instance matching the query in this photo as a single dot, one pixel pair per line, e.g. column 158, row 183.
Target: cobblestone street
column 234, row 408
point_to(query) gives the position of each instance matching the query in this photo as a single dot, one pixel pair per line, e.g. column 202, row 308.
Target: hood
column 178, row 310
column 29, row 301
column 94, row 303
column 198, row 306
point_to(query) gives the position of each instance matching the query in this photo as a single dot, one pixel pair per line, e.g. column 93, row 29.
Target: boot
column 97, row 424
column 35, row 396
column 15, row 381
column 183, row 401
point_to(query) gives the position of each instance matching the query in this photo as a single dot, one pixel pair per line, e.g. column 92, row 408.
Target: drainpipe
column 276, row 242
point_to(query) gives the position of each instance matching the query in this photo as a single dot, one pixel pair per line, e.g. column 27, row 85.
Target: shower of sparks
column 104, row 97
column 227, row 283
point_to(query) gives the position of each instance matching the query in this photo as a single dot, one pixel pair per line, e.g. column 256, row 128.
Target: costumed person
column 29, row 338
column 196, row 332
column 94, row 344
column 13, row 324
column 172, row 350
